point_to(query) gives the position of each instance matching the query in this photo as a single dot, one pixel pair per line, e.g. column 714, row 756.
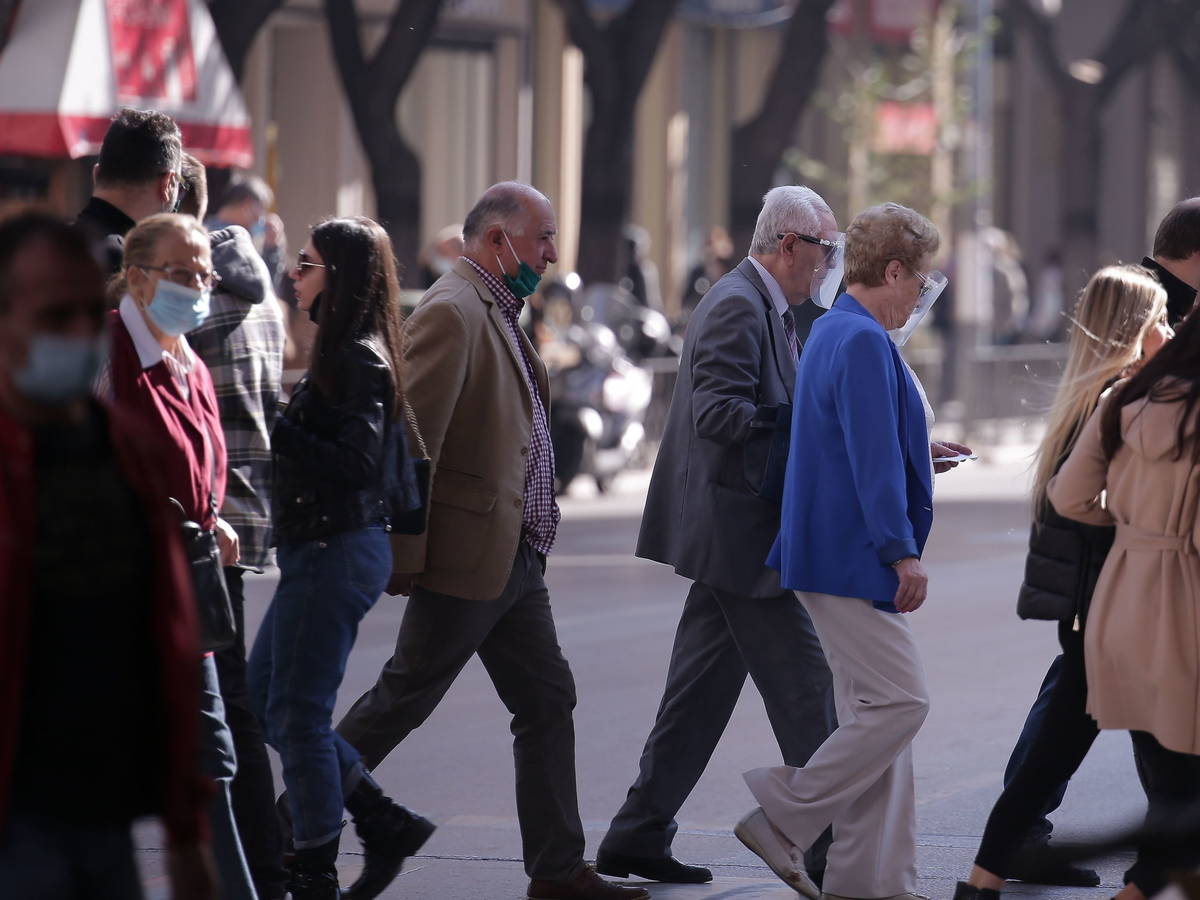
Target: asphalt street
column 616, row 617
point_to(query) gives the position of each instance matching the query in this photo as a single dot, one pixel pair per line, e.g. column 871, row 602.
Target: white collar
column 149, row 350
column 773, row 288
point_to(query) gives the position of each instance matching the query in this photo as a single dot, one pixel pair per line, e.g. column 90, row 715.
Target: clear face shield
column 827, row 277
column 932, row 286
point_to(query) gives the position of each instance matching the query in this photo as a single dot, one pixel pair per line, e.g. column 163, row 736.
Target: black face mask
column 315, row 310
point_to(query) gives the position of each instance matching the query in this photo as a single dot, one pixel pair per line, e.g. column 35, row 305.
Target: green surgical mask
column 526, row 280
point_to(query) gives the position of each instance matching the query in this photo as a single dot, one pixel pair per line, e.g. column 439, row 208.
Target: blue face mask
column 526, row 280
column 177, row 309
column 60, row 369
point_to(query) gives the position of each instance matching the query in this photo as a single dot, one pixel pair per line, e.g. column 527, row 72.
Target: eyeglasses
column 926, row 282
column 303, row 262
column 186, row 277
column 808, row 238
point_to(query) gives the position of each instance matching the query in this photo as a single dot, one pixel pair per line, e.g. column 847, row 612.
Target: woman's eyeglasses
column 185, row 276
column 303, row 262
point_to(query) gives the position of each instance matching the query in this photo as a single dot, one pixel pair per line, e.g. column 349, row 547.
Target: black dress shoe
column 666, row 869
column 1036, row 863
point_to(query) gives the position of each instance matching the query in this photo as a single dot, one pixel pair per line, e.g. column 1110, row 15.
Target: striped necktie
column 789, row 328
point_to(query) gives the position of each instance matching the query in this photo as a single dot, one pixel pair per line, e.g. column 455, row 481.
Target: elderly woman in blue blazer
column 857, row 508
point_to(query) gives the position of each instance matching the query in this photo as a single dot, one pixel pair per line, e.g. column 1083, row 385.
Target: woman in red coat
column 155, row 375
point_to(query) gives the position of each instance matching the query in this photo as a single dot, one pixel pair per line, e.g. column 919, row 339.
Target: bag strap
column 411, row 418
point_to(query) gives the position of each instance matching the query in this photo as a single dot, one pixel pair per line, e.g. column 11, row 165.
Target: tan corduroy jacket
column 1143, row 633
column 463, row 379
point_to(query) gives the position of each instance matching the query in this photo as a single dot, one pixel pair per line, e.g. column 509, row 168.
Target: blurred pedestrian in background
column 735, row 385
column 97, row 624
column 1137, row 466
column 641, row 274
column 1119, row 322
column 333, row 446
column 716, row 259
column 138, row 174
column 154, row 374
column 857, row 509
column 1176, row 257
column 248, row 201
column 242, row 342
column 438, row 256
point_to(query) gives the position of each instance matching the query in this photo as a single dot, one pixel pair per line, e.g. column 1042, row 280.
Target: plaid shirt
column 540, row 511
column 242, row 344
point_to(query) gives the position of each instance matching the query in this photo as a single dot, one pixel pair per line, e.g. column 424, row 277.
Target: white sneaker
column 785, row 860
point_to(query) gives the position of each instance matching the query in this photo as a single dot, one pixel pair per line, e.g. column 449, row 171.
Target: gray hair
column 501, row 204
column 789, row 207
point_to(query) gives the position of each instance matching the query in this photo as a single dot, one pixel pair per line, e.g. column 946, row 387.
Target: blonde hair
column 1115, row 311
column 142, row 239
column 882, row 233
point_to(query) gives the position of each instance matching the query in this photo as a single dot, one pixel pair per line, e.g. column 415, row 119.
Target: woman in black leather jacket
column 1120, row 321
column 335, row 449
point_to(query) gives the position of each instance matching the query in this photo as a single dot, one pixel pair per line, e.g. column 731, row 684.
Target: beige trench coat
column 1142, row 645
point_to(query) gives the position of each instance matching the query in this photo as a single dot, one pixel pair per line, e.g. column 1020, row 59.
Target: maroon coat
column 173, row 613
column 152, row 394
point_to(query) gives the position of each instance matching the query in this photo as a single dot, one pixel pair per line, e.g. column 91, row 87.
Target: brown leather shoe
column 587, row 885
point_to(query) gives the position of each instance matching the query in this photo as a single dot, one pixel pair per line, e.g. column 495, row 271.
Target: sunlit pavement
column 616, row 618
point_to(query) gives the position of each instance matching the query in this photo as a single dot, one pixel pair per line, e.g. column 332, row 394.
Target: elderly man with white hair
column 712, row 512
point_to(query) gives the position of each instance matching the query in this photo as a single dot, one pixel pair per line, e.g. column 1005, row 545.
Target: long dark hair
column 361, row 298
column 1172, row 375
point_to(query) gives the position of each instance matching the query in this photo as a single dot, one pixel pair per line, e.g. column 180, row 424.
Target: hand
column 914, row 584
column 227, row 540
column 400, row 584
column 192, row 872
column 946, row 448
column 274, row 235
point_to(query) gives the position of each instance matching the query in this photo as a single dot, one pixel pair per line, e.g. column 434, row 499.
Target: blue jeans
column 297, row 664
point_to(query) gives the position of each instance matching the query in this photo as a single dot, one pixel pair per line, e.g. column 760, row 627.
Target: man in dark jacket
column 706, row 517
column 242, row 343
column 89, row 558
column 1176, row 259
column 137, row 175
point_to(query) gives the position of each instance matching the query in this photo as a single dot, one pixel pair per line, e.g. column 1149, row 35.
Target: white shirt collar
column 773, row 288
column 149, row 350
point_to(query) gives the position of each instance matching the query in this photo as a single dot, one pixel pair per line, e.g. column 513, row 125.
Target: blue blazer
column 858, row 494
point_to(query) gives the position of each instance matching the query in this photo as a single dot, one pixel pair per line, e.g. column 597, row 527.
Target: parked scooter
column 600, row 400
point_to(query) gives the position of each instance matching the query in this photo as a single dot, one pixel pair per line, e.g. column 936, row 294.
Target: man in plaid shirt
column 242, row 343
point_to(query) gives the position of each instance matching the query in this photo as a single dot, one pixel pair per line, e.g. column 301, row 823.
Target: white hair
column 789, row 207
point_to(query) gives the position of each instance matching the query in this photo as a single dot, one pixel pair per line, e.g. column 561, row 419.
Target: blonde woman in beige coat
column 1137, row 466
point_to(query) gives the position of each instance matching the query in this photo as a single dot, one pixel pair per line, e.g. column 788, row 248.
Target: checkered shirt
column 539, row 524
column 242, row 345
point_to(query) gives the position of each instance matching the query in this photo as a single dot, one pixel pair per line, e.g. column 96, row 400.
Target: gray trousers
column 515, row 638
column 861, row 778
column 721, row 638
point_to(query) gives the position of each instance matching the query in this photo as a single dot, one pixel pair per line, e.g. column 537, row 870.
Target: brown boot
column 587, row 885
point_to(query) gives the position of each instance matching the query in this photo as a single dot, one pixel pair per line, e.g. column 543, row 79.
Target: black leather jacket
column 329, row 454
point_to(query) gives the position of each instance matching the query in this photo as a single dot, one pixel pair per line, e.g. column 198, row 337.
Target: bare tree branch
column 411, row 26
column 1041, row 31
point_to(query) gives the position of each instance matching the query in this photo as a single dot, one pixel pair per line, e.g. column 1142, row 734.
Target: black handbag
column 218, row 629
column 410, row 503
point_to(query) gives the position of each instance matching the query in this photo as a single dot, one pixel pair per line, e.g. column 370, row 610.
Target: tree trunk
column 757, row 146
column 237, row 23
column 606, row 191
column 1080, row 158
column 396, row 177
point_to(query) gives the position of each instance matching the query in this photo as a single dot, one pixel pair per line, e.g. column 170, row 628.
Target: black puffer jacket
column 330, row 453
column 1063, row 565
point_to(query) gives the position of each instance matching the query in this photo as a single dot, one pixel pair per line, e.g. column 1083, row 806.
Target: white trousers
column 861, row 778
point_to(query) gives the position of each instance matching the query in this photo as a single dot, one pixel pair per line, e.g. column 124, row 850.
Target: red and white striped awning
column 69, row 65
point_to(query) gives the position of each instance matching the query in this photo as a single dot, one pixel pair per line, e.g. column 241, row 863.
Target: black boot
column 964, row 891
column 389, row 834
column 314, row 873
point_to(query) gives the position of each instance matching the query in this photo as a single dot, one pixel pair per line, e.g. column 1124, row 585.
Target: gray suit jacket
column 703, row 515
